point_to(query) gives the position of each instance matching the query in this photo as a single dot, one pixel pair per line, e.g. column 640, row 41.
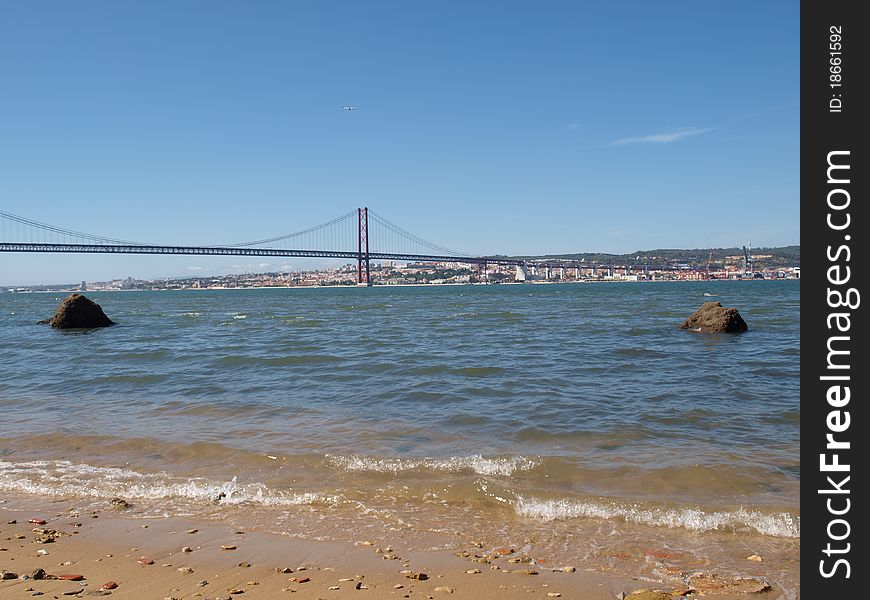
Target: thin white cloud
column 661, row 138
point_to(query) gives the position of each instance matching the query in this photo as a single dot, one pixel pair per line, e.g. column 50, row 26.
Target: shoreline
column 104, row 546
column 395, row 285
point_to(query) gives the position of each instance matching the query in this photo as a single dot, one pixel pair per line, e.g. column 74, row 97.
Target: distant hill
column 785, row 256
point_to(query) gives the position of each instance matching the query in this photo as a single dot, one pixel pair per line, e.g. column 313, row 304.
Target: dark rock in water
column 78, row 312
column 712, row 317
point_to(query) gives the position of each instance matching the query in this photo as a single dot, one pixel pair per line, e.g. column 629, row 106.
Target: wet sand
column 204, row 560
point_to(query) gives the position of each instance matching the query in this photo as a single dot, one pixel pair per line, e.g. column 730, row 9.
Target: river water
column 576, row 421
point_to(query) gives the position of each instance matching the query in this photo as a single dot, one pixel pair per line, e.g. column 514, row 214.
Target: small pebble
column 186, row 570
column 228, row 547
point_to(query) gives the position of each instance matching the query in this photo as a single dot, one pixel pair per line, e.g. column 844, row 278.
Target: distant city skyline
column 522, row 131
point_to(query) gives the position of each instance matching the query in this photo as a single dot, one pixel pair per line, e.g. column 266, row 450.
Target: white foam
column 478, row 464
column 780, row 524
column 64, row 478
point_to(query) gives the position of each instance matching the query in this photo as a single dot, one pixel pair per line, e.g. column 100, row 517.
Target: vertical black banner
column 835, row 168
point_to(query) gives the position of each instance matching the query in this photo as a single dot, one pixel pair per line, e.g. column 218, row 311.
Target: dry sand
column 226, row 563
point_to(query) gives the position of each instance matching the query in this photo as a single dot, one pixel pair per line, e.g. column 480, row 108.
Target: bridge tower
column 481, row 270
column 362, row 215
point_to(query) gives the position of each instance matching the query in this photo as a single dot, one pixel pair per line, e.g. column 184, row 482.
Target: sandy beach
column 54, row 550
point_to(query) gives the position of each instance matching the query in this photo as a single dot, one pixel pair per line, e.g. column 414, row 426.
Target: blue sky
column 513, row 128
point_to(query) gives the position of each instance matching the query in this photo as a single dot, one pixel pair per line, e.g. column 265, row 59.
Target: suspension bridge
column 360, row 235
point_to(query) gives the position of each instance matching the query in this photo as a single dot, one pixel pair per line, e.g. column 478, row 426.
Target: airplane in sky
column 348, row 108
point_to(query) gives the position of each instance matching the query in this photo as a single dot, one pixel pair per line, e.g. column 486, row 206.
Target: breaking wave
column 781, row 524
column 64, row 478
column 477, row 464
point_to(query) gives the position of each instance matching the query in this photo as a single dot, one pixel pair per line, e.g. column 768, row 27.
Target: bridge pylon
column 362, row 215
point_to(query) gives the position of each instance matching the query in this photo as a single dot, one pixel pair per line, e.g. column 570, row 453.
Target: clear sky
column 508, row 127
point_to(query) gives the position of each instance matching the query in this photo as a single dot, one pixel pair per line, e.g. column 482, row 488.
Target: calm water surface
column 577, row 417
